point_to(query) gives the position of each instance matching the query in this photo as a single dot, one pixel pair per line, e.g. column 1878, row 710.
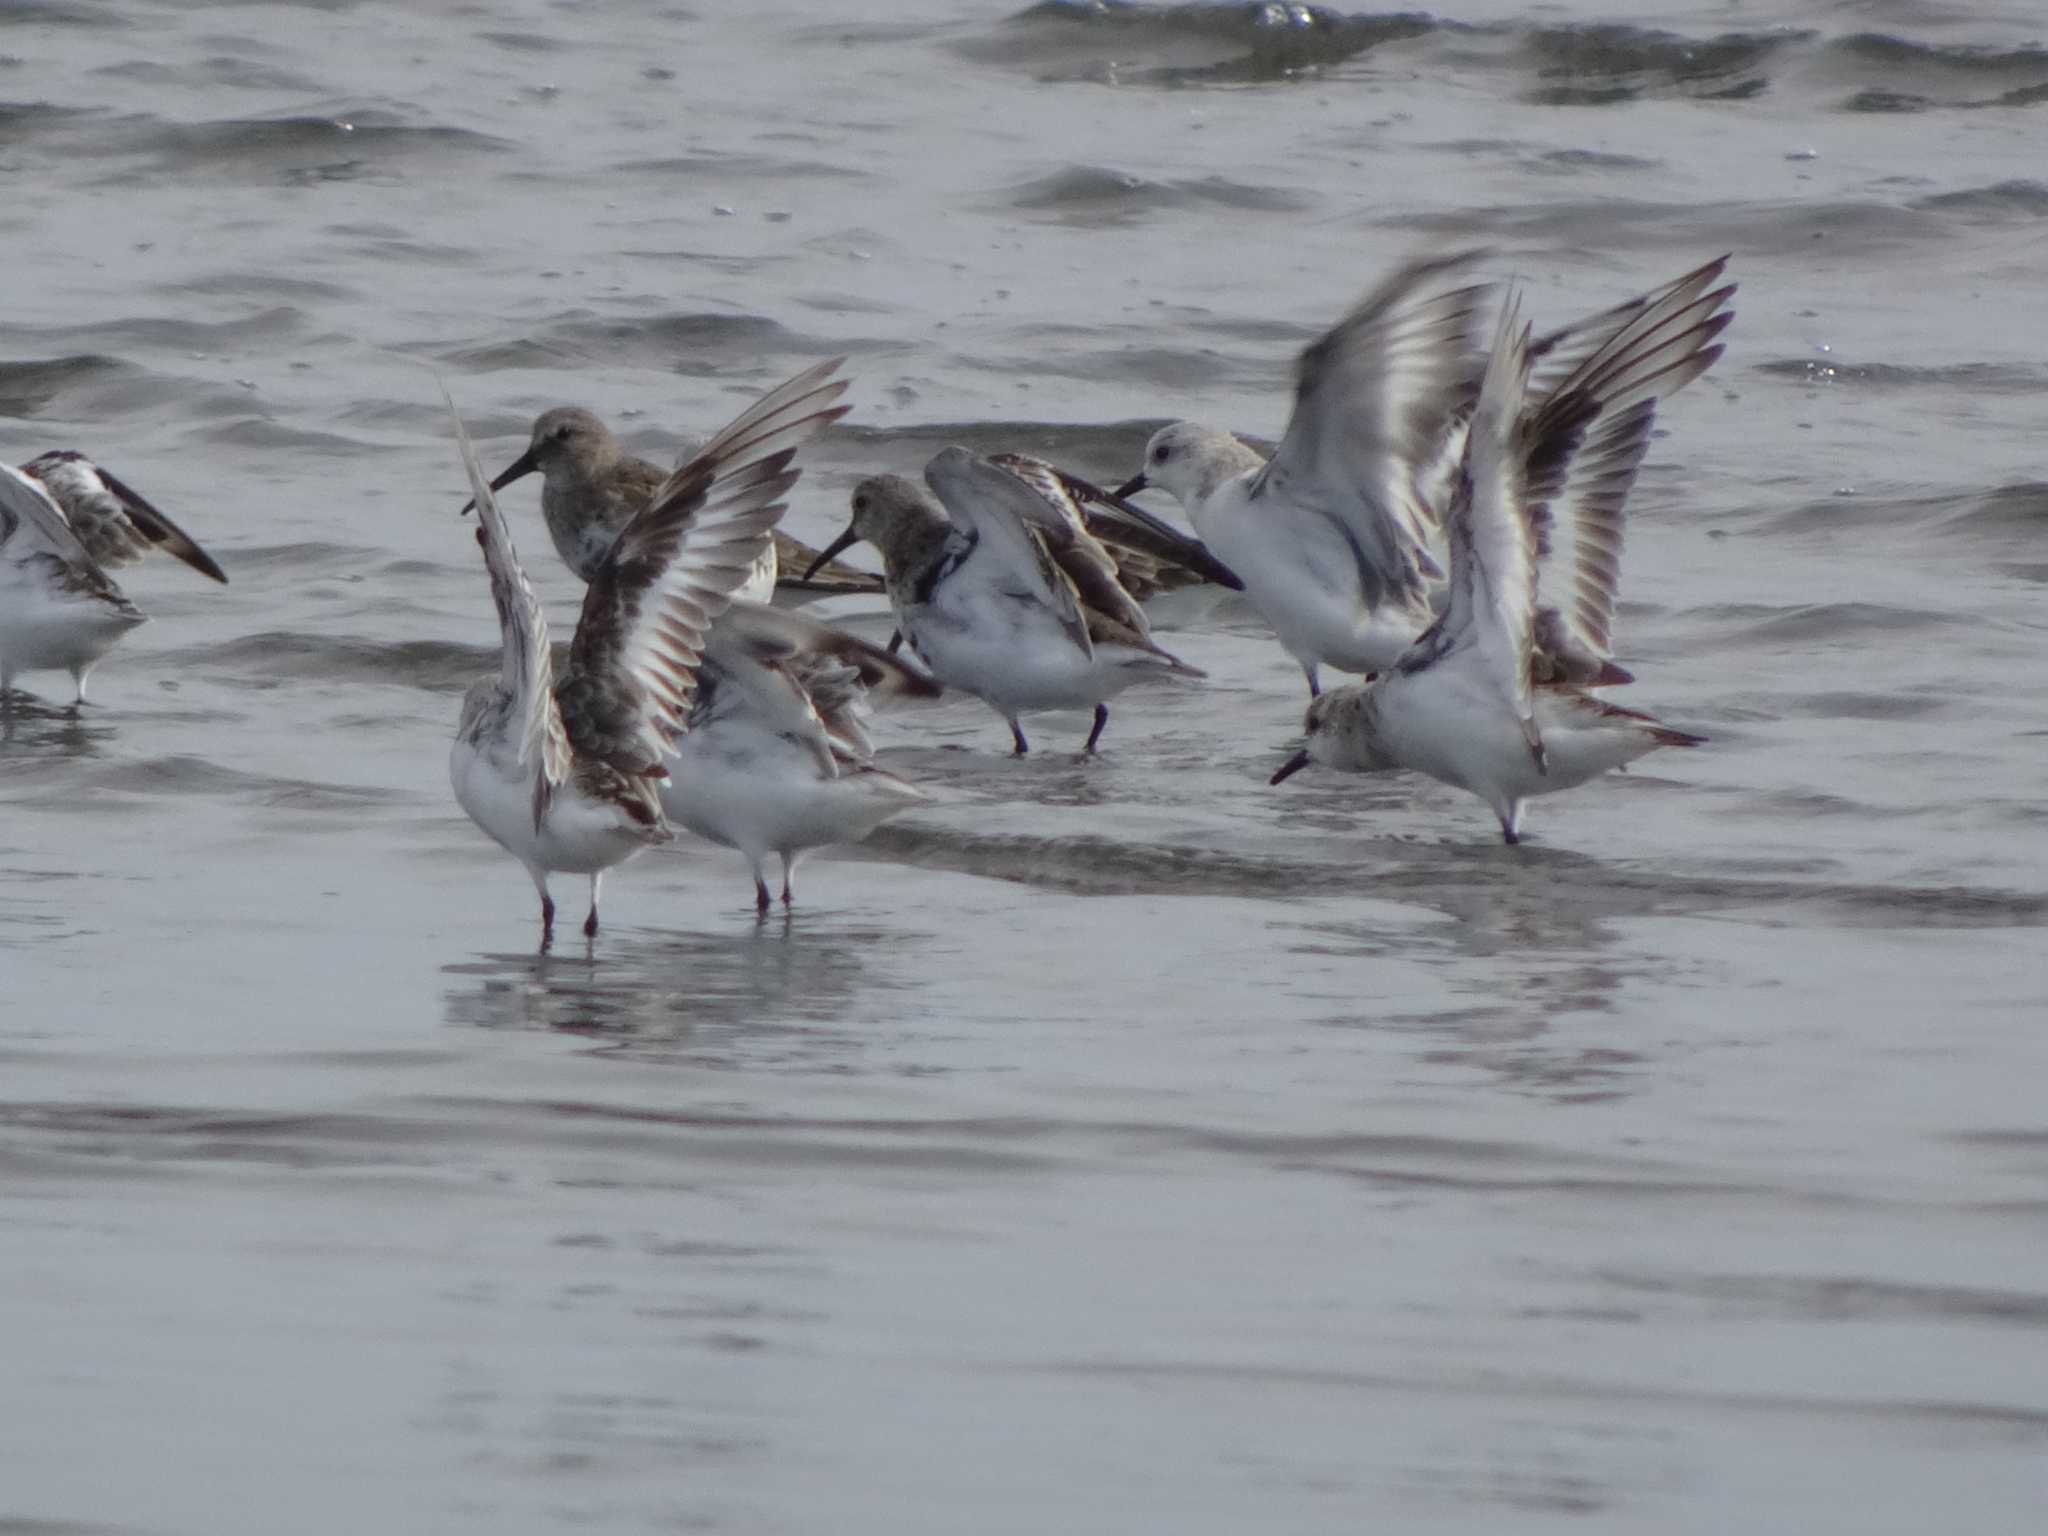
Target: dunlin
column 566, row 775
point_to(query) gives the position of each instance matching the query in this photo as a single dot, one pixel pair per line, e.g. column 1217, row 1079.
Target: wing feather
column 526, row 667
column 1372, row 402
column 113, row 521
column 31, row 520
column 631, row 677
column 1150, row 555
column 1006, row 516
column 1583, row 441
column 1492, row 545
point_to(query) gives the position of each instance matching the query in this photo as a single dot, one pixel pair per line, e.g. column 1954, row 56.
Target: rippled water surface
column 1117, row 1146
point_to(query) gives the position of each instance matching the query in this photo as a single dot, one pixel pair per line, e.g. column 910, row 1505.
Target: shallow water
column 1118, row 1145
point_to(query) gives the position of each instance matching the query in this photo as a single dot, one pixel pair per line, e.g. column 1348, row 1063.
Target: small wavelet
column 242, row 148
column 437, row 666
column 1603, row 64
column 1088, row 194
column 1186, row 44
column 1968, row 378
column 2026, row 198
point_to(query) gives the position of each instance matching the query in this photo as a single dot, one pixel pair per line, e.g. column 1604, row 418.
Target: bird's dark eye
column 860, row 504
column 1161, row 453
column 561, row 433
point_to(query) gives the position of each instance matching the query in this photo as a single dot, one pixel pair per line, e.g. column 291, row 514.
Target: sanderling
column 980, row 577
column 62, row 520
column 567, row 775
column 776, row 758
column 1331, row 535
column 1490, row 698
column 591, row 487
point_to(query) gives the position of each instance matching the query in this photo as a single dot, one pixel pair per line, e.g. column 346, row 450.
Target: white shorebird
column 1331, row 535
column 63, row 519
column 981, row 571
column 776, row 759
column 591, row 487
column 1337, row 536
column 566, row 776
column 1491, row 699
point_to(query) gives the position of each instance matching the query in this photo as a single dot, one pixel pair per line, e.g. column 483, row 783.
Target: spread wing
column 1150, row 555
column 1565, row 350
column 1005, row 516
column 1371, row 406
column 1583, row 441
column 673, row 569
column 1492, row 603
column 526, row 668
column 114, row 523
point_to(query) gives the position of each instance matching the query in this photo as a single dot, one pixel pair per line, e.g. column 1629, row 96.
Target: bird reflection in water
column 681, row 993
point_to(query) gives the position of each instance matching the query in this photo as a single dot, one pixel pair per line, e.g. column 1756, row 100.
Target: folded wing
column 1006, row 517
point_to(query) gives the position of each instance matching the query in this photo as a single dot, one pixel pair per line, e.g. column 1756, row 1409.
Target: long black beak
column 845, row 541
column 1291, row 767
column 523, row 465
column 1132, row 486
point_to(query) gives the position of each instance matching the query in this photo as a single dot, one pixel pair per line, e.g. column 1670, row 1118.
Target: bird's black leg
column 1017, row 735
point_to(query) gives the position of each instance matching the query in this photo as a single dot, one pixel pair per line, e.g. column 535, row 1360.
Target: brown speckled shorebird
column 591, row 487
column 567, row 775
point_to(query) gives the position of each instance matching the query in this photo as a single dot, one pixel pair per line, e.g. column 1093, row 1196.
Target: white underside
column 1022, row 661
column 44, row 629
column 1299, row 571
column 577, row 836
column 1453, row 724
column 743, row 786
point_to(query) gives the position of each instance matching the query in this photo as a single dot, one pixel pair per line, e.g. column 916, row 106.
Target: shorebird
column 1337, row 535
column 776, row 758
column 566, row 775
column 1331, row 535
column 773, row 759
column 591, row 487
column 1492, row 698
column 981, row 574
column 63, row 520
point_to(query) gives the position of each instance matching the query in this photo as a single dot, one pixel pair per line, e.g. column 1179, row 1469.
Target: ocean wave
column 1088, row 194
column 1576, row 64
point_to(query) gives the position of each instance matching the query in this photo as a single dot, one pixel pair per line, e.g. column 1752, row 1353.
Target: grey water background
column 1115, row 1146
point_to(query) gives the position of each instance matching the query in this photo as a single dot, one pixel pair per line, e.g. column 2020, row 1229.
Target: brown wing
column 112, row 520
column 674, row 568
